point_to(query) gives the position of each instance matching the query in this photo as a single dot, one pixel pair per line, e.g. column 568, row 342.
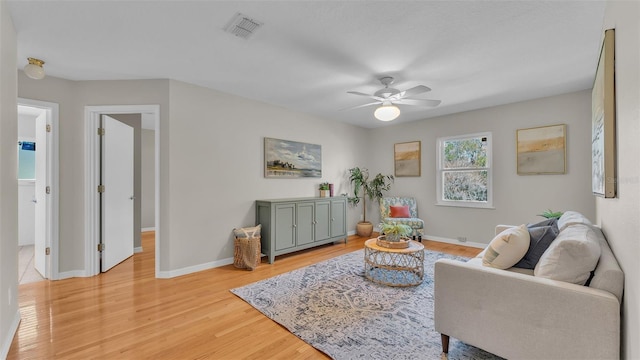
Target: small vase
column 331, row 190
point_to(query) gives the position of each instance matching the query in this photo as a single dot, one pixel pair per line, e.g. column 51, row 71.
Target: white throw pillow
column 571, row 256
column 569, row 218
column 507, row 248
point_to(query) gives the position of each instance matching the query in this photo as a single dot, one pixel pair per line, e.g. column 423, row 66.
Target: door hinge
column 47, row 251
column 101, row 188
column 101, row 247
column 101, row 131
column 48, row 128
column 47, row 189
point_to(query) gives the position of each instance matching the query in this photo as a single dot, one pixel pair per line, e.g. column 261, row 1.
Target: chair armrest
column 522, row 316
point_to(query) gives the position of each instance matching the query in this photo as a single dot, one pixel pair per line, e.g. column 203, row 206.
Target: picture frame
column 407, row 159
column 542, row 150
column 603, row 122
column 291, row 159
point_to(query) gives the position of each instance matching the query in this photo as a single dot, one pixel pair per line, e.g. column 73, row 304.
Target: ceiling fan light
column 34, row 69
column 387, row 112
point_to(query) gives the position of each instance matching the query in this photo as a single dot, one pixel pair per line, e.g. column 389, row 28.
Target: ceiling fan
column 388, row 98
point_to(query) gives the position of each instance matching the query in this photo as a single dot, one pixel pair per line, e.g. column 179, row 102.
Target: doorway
column 93, row 217
column 38, row 190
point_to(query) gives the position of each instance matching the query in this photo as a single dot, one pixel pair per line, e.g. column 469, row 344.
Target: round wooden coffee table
column 394, row 267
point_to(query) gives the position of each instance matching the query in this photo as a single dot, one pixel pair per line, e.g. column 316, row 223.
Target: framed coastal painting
column 603, row 122
column 542, row 150
column 406, row 157
column 291, row 159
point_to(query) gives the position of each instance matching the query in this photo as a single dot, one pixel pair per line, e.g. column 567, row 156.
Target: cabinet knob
column 333, row 219
column 294, row 225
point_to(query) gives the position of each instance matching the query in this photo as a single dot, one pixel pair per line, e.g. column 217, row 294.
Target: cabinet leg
column 445, row 343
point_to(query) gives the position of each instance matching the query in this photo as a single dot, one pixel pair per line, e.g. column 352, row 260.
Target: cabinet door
column 323, row 223
column 338, row 220
column 285, row 231
column 304, row 223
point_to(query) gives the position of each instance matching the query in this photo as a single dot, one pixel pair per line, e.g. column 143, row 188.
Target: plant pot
column 364, row 228
column 324, row 193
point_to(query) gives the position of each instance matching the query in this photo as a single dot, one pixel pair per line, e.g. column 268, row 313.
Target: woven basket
column 246, row 254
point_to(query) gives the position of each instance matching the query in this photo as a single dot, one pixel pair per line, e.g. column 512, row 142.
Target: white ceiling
column 308, row 54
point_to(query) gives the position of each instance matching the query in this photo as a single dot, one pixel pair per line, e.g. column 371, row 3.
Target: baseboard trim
column 13, row 329
column 352, row 232
column 71, row 274
column 148, row 229
column 195, row 268
column 454, row 241
column 137, row 249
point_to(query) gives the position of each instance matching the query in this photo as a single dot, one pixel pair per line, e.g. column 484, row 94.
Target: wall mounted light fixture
column 34, row 68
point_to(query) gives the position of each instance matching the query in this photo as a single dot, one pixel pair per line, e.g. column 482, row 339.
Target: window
column 464, row 171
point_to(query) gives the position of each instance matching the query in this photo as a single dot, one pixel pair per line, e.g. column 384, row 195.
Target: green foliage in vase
column 324, row 186
column 395, row 231
column 374, row 189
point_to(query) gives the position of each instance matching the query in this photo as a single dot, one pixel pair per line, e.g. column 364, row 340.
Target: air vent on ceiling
column 243, row 26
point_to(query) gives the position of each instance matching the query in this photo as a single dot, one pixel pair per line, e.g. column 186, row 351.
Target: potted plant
column 395, row 232
column 324, row 189
column 549, row 214
column 374, row 189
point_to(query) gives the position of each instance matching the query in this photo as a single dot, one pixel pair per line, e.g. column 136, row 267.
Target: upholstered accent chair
column 402, row 210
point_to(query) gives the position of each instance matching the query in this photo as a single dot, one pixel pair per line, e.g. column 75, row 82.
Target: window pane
column 465, row 185
column 465, row 153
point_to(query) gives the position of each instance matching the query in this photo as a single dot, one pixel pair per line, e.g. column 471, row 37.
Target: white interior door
column 117, row 198
column 40, row 259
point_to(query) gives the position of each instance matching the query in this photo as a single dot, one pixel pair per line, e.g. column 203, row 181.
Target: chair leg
column 445, row 343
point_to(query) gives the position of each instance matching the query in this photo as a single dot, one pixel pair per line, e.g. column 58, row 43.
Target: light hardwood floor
column 127, row 313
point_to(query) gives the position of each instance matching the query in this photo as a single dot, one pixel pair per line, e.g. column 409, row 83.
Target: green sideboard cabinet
column 290, row 225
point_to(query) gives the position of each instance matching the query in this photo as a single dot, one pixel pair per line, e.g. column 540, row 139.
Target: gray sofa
column 517, row 315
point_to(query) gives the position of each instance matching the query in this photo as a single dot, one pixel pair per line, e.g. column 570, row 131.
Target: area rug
column 335, row 309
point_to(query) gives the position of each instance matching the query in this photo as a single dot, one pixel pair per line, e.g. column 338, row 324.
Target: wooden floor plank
column 127, row 313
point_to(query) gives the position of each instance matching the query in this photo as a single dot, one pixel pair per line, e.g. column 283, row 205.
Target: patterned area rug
column 334, row 308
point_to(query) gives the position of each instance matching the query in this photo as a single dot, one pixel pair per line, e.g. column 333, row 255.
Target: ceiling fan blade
column 367, row 95
column 360, row 106
column 419, row 102
column 414, row 91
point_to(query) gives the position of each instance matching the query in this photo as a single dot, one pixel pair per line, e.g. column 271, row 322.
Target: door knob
column 132, row 197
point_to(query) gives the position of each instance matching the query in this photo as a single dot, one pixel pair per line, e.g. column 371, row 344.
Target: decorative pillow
column 571, row 256
column 507, row 248
column 248, row 232
column 399, row 211
column 571, row 218
column 541, row 237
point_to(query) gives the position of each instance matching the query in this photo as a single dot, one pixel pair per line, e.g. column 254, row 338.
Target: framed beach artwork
column 603, row 122
column 406, row 158
column 291, row 159
column 542, row 150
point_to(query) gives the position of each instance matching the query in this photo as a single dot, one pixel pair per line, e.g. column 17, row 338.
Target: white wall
column 217, row 172
column 620, row 217
column 9, row 315
column 517, row 199
column 147, row 173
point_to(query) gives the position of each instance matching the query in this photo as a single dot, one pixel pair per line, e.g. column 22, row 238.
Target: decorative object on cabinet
column 374, row 189
column 406, row 158
column 542, row 150
column 299, row 223
column 291, row 159
column 603, row 122
column 324, row 190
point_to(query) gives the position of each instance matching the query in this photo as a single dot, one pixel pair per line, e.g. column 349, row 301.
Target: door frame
column 52, row 218
column 92, row 179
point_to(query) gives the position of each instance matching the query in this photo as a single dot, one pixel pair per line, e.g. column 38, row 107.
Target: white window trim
column 439, row 170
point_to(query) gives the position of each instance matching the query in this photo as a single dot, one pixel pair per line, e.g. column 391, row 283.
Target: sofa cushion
column 399, row 211
column 507, row 248
column 569, row 218
column 540, row 239
column 571, row 256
